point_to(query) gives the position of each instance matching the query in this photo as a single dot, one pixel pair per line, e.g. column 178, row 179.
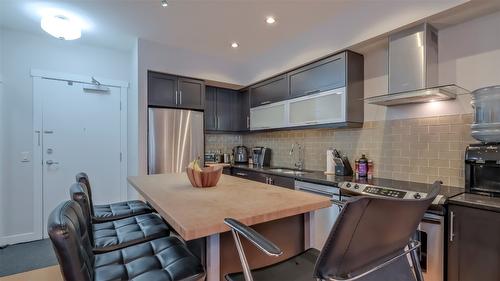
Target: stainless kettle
column 240, row 154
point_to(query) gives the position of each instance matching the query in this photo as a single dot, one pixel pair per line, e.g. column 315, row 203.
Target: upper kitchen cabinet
column 191, row 93
column 269, row 91
column 325, row 93
column 166, row 90
column 223, row 110
column 162, row 89
column 326, row 74
column 242, row 111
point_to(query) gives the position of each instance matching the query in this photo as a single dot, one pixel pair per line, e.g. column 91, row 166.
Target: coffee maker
column 261, row 156
column 482, row 169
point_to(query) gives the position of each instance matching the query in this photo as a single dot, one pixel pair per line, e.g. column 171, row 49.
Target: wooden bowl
column 208, row 177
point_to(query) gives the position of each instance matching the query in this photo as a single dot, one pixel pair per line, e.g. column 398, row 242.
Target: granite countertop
column 320, row 177
column 476, row 201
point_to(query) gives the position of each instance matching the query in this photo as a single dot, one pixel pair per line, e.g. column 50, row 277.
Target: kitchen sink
column 288, row 171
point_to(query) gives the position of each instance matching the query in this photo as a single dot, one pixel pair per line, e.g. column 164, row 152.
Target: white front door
column 80, row 132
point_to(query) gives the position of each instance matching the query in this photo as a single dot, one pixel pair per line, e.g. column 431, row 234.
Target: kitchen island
column 197, row 215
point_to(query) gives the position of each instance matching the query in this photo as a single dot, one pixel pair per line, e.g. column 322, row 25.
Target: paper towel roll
column 330, row 164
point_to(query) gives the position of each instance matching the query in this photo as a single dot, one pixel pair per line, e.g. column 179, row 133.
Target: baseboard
column 19, row 238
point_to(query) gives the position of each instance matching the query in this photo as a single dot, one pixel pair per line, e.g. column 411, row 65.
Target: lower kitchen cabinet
column 473, row 244
column 265, row 178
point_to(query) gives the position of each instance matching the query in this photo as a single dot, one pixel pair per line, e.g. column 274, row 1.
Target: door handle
column 452, row 218
column 50, row 162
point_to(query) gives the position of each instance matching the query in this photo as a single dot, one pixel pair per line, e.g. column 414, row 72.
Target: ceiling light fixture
column 61, row 27
column 270, row 20
column 235, row 45
column 164, row 3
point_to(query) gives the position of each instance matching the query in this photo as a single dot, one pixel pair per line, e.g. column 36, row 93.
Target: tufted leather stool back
column 70, row 238
column 78, row 193
column 84, row 179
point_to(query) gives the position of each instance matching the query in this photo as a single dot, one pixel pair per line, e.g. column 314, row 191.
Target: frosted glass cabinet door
column 268, row 116
column 322, row 108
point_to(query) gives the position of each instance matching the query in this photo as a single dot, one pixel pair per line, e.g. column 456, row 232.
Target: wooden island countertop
column 200, row 212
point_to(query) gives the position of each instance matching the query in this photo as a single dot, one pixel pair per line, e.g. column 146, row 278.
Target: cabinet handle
column 265, row 102
column 215, row 122
column 180, row 97
column 452, row 218
column 176, row 94
column 241, row 174
column 248, row 121
column 312, row 92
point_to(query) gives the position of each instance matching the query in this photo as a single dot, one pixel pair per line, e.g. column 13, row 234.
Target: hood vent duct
column 413, row 69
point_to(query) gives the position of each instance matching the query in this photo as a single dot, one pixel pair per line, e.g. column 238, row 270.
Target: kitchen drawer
column 250, row 175
column 280, row 181
column 326, row 74
column 269, row 91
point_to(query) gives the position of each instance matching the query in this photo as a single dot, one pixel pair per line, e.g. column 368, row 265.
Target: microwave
column 482, row 169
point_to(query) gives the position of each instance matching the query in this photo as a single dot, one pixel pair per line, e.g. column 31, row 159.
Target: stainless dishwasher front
column 324, row 219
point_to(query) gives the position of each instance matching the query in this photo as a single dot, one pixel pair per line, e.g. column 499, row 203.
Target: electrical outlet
column 25, row 156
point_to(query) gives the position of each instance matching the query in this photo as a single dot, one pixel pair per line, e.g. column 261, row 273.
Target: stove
column 356, row 189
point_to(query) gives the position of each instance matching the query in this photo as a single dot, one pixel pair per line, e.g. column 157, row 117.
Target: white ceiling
column 209, row 26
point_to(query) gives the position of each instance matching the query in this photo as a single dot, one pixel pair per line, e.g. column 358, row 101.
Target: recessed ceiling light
column 235, row 45
column 61, row 27
column 270, row 20
column 164, row 3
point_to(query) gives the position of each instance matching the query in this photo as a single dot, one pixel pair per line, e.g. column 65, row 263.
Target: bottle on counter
column 370, row 169
column 356, row 169
column 363, row 166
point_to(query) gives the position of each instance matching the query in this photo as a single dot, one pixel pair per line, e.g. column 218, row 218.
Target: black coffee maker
column 482, row 169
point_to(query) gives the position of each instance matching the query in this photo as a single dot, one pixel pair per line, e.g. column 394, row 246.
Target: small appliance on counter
column 482, row 169
column 240, row 154
column 337, row 164
column 261, row 156
column 210, row 157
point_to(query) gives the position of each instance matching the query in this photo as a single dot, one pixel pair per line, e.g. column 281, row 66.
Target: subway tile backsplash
column 420, row 150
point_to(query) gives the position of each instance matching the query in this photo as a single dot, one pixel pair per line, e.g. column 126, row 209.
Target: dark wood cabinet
column 162, row 89
column 269, row 91
column 323, row 75
column 281, row 181
column 241, row 112
column 473, row 244
column 210, row 113
column 191, row 93
column 222, row 110
column 166, row 90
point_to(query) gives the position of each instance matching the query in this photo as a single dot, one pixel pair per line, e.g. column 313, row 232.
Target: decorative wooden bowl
column 208, row 177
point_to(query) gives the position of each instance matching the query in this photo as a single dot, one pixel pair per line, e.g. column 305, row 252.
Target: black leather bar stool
column 163, row 259
column 370, row 241
column 114, row 235
column 113, row 211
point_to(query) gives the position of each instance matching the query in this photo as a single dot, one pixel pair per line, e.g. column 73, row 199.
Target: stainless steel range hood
column 413, row 69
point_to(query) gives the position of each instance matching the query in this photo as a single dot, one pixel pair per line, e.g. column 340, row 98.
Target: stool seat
column 297, row 268
column 120, row 210
column 166, row 259
column 113, row 235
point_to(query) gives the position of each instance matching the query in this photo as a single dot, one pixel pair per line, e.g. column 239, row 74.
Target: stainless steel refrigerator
column 175, row 137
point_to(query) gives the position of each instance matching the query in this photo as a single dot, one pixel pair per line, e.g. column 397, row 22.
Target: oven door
column 430, row 233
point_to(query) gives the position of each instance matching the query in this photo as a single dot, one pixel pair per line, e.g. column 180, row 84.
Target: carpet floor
column 26, row 256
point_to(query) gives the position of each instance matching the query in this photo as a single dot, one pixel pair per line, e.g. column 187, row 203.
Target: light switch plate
column 25, row 156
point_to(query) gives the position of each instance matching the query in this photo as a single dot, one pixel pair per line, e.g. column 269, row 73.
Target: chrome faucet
column 299, row 164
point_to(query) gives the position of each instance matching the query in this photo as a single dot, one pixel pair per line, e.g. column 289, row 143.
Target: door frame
column 37, row 76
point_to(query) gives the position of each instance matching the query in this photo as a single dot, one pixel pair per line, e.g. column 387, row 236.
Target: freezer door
column 175, row 137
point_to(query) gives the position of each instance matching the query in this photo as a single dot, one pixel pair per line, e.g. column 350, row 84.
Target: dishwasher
column 324, row 219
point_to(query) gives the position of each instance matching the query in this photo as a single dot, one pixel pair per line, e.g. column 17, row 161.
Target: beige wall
column 420, row 143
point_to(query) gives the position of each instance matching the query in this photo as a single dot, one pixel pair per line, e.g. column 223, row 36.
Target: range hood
column 413, row 69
